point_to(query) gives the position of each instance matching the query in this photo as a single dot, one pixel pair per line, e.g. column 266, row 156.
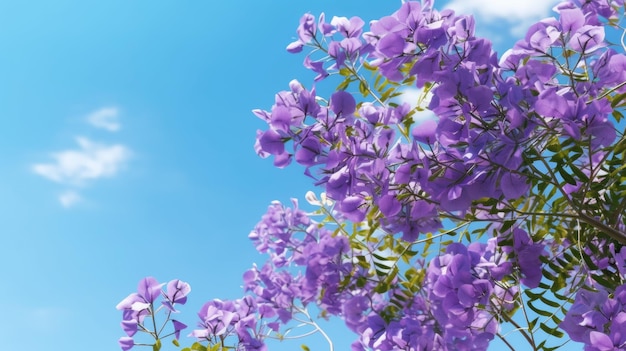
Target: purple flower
column 342, row 102
column 528, row 253
column 425, row 131
column 178, row 326
column 126, row 343
column 272, row 142
column 177, row 292
column 215, row 319
column 350, row 28
column 513, row 185
column 139, row 304
column 351, row 207
column 598, row 319
column 306, row 32
column 317, row 67
column 587, row 38
column 129, row 326
column 571, row 19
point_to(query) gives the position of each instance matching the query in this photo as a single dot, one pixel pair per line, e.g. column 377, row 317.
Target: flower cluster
column 575, row 108
column 473, row 151
column 598, row 319
column 307, row 264
column 491, row 116
column 526, row 255
column 141, row 304
column 609, row 9
column 456, row 309
column 221, row 319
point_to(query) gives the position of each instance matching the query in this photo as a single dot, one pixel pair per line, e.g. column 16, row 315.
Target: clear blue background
column 184, row 76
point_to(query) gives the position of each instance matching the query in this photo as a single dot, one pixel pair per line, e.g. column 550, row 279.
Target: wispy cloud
column 69, row 198
column 89, row 162
column 105, row 118
column 517, row 15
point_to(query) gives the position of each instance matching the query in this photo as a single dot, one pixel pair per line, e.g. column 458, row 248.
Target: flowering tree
column 505, row 207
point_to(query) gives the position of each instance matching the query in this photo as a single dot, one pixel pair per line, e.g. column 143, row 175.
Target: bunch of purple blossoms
column 435, row 168
column 320, row 269
column 307, row 264
column 458, row 307
column 598, row 315
column 598, row 319
column 221, row 319
column 491, row 116
column 137, row 306
column 281, row 231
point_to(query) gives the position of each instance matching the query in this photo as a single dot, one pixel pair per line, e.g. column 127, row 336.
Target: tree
column 505, row 207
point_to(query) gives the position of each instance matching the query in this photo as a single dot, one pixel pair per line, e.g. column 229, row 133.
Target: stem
column 524, row 331
column 311, row 322
column 530, row 336
column 329, row 214
column 610, row 91
column 152, row 313
column 298, row 336
column 608, row 230
column 506, row 342
column 169, row 313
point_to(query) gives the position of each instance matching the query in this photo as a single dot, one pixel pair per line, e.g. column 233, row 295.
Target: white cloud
column 105, row 118
column 410, row 96
column 91, row 161
column 69, row 198
column 518, row 15
column 415, row 97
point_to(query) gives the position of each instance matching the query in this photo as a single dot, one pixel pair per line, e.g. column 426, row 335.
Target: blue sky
column 126, row 150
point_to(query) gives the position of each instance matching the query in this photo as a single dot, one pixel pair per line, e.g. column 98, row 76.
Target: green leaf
column 554, row 145
column 539, row 311
column 369, row 67
column 566, row 176
column 175, row 342
column 615, row 100
column 344, row 85
column 363, row 89
column 305, row 348
column 550, row 302
column 506, row 225
column 386, row 94
column 600, row 279
column 157, row 345
column 381, row 288
column 198, row 347
column 380, row 258
column 582, row 176
column 531, row 324
column 551, row 331
column 533, row 295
